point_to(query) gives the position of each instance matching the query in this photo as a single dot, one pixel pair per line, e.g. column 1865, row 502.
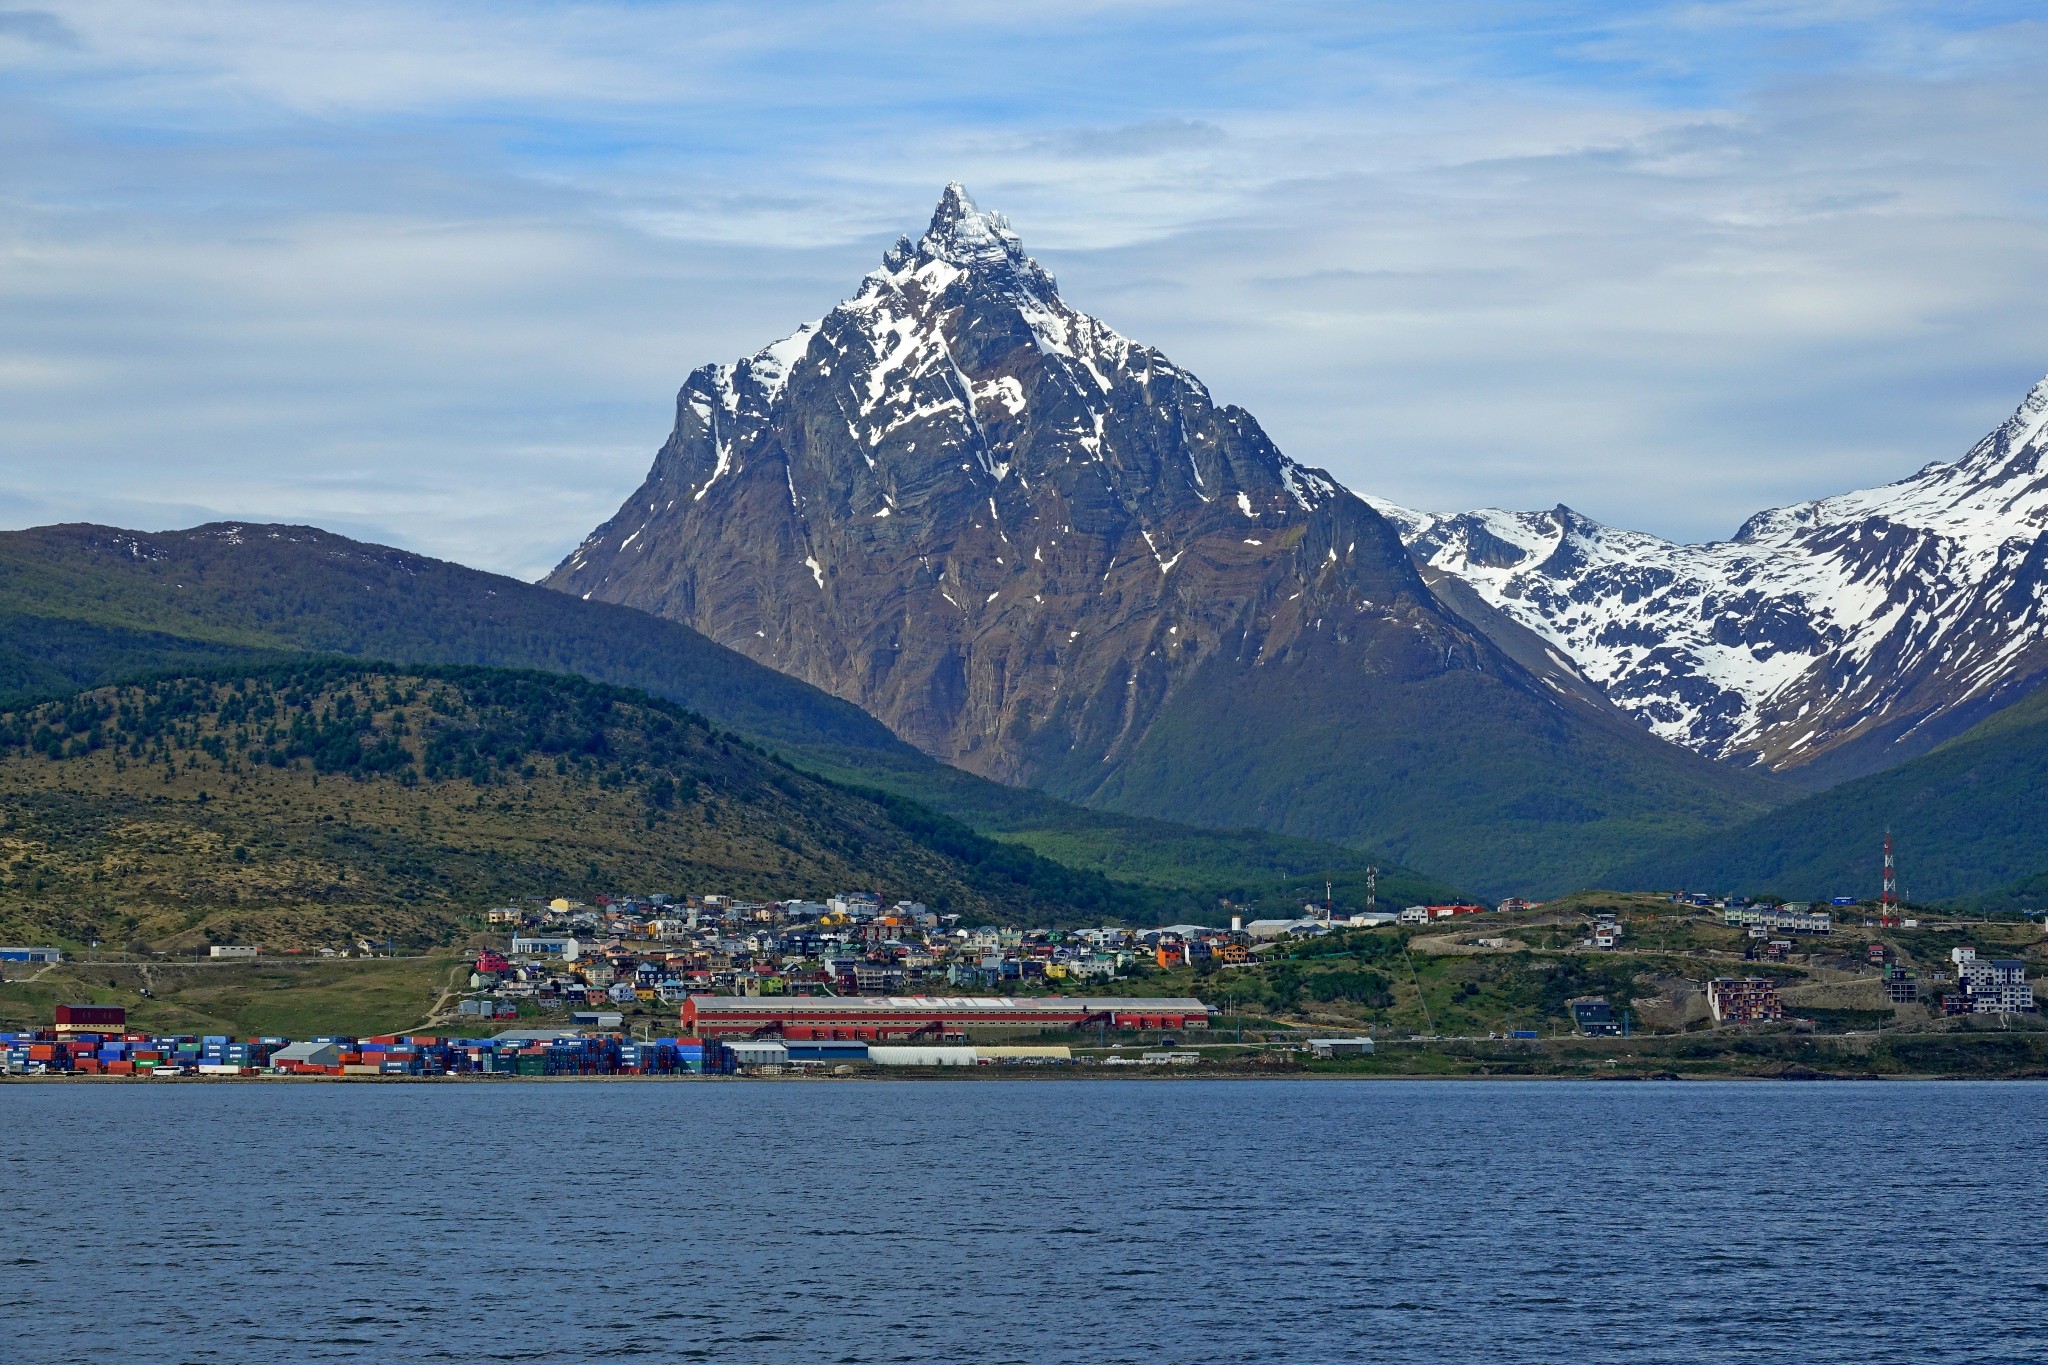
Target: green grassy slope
column 311, row 802
column 1245, row 865
column 1969, row 818
column 1457, row 772
column 81, row 605
column 280, row 996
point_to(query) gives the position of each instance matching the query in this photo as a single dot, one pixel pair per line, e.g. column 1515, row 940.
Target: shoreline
column 966, row 1076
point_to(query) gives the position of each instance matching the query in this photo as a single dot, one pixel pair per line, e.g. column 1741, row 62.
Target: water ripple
column 1039, row 1222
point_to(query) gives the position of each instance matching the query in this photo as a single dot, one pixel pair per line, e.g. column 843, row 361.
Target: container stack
column 139, row 1054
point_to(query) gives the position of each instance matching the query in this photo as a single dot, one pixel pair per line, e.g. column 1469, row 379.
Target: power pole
column 1372, row 887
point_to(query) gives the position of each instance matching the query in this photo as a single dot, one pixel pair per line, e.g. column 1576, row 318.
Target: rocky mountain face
column 1824, row 640
column 1039, row 550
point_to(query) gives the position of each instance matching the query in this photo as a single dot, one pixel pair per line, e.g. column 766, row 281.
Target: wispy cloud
column 433, row 270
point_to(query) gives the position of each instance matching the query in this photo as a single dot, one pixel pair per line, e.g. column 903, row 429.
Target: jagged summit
column 964, row 238
column 1840, row 634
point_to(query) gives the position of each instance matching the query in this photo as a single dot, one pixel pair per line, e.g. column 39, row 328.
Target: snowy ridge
column 1886, row 609
column 897, row 360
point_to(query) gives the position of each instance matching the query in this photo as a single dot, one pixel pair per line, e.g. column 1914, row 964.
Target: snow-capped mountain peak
column 898, row 500
column 1994, row 494
column 1042, row 551
column 962, row 235
column 1852, row 630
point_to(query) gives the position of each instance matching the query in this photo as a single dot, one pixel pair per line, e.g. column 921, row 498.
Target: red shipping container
column 87, row 1066
column 120, row 1068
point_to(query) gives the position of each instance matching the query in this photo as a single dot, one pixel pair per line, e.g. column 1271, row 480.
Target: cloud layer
column 431, row 272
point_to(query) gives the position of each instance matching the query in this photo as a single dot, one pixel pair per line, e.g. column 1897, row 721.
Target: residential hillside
column 1038, row 550
column 1969, row 820
column 82, row 605
column 310, row 802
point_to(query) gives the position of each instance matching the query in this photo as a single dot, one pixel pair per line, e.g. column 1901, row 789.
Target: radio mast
column 1888, row 899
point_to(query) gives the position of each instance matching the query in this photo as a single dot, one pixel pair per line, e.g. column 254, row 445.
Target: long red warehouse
column 872, row 1017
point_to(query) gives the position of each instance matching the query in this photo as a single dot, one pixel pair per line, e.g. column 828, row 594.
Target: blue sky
column 430, row 273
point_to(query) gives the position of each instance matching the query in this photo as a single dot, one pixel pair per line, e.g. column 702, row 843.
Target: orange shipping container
column 120, row 1068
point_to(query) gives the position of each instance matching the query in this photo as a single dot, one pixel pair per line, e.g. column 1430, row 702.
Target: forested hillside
column 82, row 605
column 1970, row 820
column 310, row 802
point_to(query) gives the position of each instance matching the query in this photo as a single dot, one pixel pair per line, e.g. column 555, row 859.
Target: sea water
column 1023, row 1221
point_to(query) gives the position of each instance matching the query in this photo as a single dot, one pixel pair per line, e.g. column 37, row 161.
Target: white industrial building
column 308, row 1054
column 923, row 1056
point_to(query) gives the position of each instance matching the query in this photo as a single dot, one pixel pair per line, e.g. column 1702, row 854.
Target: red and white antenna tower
column 1888, row 899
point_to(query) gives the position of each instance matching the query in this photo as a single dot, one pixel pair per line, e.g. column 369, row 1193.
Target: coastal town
column 712, row 984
